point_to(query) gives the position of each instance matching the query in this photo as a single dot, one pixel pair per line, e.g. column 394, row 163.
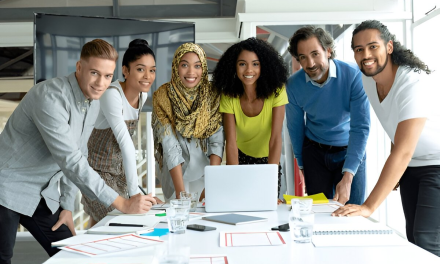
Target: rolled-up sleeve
column 216, row 143
column 52, row 118
column 172, row 151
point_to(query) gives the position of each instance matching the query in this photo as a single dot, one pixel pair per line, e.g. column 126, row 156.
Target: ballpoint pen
column 142, row 190
column 130, row 225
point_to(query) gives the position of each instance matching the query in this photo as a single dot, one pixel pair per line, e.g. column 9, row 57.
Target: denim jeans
column 323, row 171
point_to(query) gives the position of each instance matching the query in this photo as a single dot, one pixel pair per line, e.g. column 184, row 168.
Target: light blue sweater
column 336, row 114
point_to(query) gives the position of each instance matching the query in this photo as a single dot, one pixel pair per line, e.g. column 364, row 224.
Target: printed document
column 251, row 238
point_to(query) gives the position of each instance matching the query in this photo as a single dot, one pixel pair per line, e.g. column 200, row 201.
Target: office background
column 219, row 24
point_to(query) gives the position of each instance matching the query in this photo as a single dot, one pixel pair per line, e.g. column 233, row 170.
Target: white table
column 208, row 243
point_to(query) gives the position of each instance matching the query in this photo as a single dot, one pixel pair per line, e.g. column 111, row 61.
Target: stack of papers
column 145, row 224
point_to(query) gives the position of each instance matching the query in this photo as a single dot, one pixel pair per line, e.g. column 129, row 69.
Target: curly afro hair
column 273, row 73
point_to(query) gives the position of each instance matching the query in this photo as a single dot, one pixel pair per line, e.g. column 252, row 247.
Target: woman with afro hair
column 250, row 77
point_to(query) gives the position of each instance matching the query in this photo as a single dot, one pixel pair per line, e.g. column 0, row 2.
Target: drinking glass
column 193, row 196
column 178, row 215
column 301, row 222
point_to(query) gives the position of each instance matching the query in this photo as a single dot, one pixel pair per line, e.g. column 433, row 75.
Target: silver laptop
column 234, row 188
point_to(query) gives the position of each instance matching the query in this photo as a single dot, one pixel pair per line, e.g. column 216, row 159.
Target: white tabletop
column 208, row 243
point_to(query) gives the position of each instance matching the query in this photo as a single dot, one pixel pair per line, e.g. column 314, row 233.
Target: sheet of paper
column 208, row 259
column 317, row 198
column 148, row 221
column 79, row 239
column 192, row 216
column 112, row 245
column 251, row 238
column 160, row 206
column 324, row 208
column 151, row 212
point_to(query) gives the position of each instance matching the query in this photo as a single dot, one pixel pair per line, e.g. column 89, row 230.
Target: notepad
column 355, row 236
column 317, row 198
column 234, row 219
column 153, row 212
column 148, row 222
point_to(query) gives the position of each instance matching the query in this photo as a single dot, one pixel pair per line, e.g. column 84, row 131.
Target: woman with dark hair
column 187, row 126
column 251, row 76
column 110, row 147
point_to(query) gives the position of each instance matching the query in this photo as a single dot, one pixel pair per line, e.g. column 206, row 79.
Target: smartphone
column 200, row 228
column 282, row 228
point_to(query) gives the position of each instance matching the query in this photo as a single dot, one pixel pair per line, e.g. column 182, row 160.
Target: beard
column 318, row 76
column 378, row 70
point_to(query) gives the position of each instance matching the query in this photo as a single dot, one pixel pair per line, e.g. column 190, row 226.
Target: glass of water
column 301, row 223
column 193, row 196
column 178, row 215
column 175, row 250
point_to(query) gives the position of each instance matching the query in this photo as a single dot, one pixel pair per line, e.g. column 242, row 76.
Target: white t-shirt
column 412, row 95
column 115, row 109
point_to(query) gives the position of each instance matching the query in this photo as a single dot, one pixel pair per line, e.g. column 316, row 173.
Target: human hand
column 67, row 219
column 279, row 201
column 353, row 210
column 138, row 204
column 343, row 188
column 158, row 201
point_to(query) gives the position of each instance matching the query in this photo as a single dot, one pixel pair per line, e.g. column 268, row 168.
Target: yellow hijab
column 193, row 112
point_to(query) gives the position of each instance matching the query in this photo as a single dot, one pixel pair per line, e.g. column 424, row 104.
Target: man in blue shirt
column 328, row 118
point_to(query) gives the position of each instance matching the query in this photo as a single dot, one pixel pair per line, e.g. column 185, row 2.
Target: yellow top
column 253, row 133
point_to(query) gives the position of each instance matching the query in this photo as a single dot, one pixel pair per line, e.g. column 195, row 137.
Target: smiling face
column 370, row 51
column 190, row 70
column 141, row 74
column 248, row 68
column 314, row 59
column 94, row 75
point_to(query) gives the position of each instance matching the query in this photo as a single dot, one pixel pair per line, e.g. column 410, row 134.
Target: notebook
column 240, row 188
column 148, row 223
column 234, row 219
column 343, row 235
column 151, row 212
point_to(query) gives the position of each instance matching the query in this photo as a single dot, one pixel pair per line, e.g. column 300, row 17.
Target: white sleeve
column 111, row 106
column 412, row 101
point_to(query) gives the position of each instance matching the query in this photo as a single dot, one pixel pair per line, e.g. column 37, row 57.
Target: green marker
column 162, row 214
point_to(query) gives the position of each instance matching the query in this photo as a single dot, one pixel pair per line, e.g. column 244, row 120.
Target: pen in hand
column 142, row 190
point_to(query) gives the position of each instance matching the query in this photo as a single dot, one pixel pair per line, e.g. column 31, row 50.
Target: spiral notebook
column 355, row 236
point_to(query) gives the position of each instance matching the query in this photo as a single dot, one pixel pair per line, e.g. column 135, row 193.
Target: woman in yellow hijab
column 187, row 126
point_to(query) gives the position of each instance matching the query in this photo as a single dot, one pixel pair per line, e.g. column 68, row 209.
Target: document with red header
column 251, row 238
